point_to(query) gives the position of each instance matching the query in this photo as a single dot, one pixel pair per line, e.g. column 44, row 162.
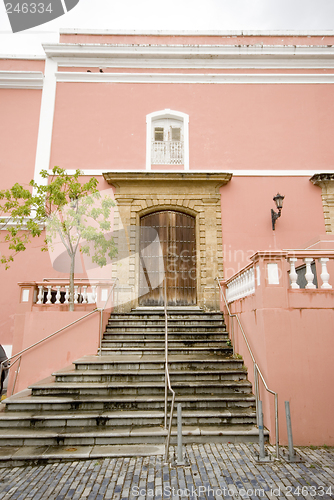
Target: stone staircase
column 118, row 397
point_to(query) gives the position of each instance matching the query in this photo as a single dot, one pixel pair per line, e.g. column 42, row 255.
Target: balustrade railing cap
column 239, row 273
column 315, row 254
column 65, row 282
column 268, row 254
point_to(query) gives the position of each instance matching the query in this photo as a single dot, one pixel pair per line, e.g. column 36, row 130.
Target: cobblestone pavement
column 216, row 471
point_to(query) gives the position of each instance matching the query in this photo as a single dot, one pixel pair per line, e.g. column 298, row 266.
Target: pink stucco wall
column 20, row 109
column 246, row 217
column 103, row 125
column 291, row 335
column 22, row 64
column 56, row 353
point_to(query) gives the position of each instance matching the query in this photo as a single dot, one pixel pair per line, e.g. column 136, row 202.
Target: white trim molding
column 44, row 138
column 241, row 78
column 192, row 56
column 85, row 31
column 167, row 113
column 235, row 173
column 21, row 80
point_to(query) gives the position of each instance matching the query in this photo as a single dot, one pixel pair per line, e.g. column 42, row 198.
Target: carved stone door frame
column 197, row 194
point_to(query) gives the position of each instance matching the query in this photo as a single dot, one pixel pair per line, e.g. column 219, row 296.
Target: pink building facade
column 210, row 126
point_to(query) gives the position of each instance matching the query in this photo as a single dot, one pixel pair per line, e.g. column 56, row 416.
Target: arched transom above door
column 193, row 194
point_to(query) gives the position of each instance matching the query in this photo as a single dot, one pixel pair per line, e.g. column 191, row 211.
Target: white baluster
column 293, row 274
column 324, row 274
column 258, row 275
column 246, row 292
column 76, row 294
column 94, row 293
column 58, row 287
column 48, row 297
column 84, row 294
column 252, row 281
column 67, row 294
column 309, row 276
column 40, row 294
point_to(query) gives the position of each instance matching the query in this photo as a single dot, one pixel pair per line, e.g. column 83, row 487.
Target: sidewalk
column 216, row 471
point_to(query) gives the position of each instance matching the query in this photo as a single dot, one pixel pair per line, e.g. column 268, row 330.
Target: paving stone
column 216, row 471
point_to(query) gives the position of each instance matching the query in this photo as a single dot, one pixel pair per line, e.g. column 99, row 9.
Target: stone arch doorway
column 195, row 193
column 167, row 250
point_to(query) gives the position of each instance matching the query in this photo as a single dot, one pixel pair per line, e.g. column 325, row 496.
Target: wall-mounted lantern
column 278, row 199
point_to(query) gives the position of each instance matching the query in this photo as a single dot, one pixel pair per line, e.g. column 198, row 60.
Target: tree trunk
column 72, row 283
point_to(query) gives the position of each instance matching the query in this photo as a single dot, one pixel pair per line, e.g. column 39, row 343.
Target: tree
column 15, row 205
column 64, row 207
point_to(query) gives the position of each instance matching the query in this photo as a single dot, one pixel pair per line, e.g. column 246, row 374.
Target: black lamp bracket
column 274, row 217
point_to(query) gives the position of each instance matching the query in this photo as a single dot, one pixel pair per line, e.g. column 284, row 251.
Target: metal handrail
column 257, row 370
column 18, row 355
column 167, row 379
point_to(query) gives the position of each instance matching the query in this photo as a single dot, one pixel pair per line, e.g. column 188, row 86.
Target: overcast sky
column 172, row 15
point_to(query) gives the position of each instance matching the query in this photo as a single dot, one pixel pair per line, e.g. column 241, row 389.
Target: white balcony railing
column 57, row 291
column 308, row 274
column 167, row 153
column 305, row 270
column 242, row 285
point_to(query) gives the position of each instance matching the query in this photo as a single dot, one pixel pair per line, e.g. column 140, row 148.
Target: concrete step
column 172, row 322
column 147, row 362
column 175, row 336
column 118, row 397
column 172, row 344
column 91, row 436
column 152, row 313
column 161, row 328
column 178, row 351
column 147, row 375
column 139, row 388
column 50, row 403
column 117, row 419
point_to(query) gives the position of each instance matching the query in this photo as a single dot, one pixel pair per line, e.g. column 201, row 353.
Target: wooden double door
column 167, row 251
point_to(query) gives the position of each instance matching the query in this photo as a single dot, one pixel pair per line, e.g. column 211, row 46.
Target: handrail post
column 232, row 335
column 16, row 374
column 101, row 326
column 166, row 350
column 256, row 390
column 276, row 425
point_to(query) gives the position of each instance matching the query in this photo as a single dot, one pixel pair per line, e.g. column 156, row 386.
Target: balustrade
column 59, row 292
column 305, row 269
column 241, row 286
column 309, row 275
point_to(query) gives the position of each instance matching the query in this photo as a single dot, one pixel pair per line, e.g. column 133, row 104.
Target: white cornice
column 79, row 31
column 252, row 78
column 21, row 79
column 235, row 172
column 191, row 56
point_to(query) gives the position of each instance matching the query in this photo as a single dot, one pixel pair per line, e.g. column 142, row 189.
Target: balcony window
column 167, row 141
column 167, row 145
